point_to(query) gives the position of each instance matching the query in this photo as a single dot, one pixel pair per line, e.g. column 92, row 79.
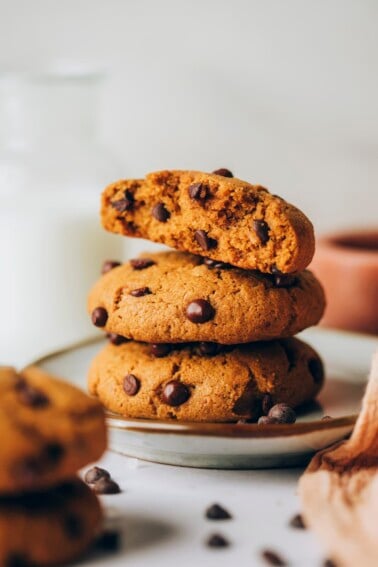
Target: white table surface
column 161, row 515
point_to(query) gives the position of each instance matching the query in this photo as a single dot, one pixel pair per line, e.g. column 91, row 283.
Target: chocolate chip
column 52, row 453
column 17, row 560
column 272, row 558
column 99, row 317
column 175, row 393
column 283, row 413
column 94, row 474
column 198, row 192
column 109, row 265
column 131, row 384
column 316, row 369
column 199, row 311
column 262, row 230
column 160, row 349
column 125, row 204
column 266, row 420
column 140, row 291
column 217, row 540
column 106, row 486
column 30, row 396
column 210, row 263
column 160, row 213
column 116, row 339
column 208, row 349
column 217, row 512
column 73, row 526
column 297, row 522
column 141, row 263
column 205, row 241
column 284, row 280
column 108, row 540
column 223, row 172
column 266, row 403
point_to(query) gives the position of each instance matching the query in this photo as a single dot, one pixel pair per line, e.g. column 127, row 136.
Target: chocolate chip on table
column 109, row 265
column 316, row 369
column 266, row 404
column 141, row 263
column 223, row 172
column 199, row 311
column 205, row 241
column 160, row 349
column 272, row 558
column 31, row 396
column 283, row 413
column 175, row 393
column 99, row 317
column 140, row 291
column 262, row 230
column 266, row 420
column 297, row 522
column 131, row 384
column 210, row 263
column 217, row 540
column 217, row 512
column 73, row 526
column 94, row 474
column 108, row 540
column 160, row 213
column 208, row 349
column 106, row 486
column 125, row 204
column 116, row 339
column 198, row 192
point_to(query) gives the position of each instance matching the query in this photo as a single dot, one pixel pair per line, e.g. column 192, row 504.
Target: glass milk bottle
column 52, row 170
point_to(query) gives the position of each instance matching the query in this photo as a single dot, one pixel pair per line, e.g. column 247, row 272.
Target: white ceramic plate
column 233, row 446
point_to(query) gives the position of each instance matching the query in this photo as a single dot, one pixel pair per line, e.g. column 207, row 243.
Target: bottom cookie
column 48, row 527
column 204, row 381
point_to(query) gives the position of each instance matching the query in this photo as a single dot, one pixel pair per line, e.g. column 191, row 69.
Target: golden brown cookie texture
column 204, row 382
column 176, row 297
column 48, row 527
column 219, row 217
column 49, row 430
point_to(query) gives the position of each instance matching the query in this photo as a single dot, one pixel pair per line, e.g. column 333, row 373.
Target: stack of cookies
column 205, row 333
column 50, row 429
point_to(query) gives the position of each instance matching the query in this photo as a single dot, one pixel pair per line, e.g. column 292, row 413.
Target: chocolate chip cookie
column 204, row 381
column 49, row 430
column 174, row 297
column 48, row 527
column 212, row 215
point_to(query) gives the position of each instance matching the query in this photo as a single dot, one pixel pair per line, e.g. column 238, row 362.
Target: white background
column 283, row 92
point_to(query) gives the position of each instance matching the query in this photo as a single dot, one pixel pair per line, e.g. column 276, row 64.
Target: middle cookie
column 173, row 297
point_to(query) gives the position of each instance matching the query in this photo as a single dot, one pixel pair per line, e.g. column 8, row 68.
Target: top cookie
column 223, row 218
column 49, row 430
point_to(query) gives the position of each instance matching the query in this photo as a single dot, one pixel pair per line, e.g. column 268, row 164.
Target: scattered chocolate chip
column 316, row 369
column 217, row 512
column 210, row 263
column 217, row 540
column 109, row 265
column 99, row 317
column 326, row 418
column 199, row 311
column 73, row 526
column 262, row 230
column 208, row 349
column 198, row 192
column 141, row 263
column 131, row 384
column 272, row 558
column 284, row 280
column 116, row 339
column 223, row 172
column 283, row 413
column 17, row 560
column 205, row 241
column 160, row 213
column 109, row 541
column 94, row 474
column 52, row 453
column 297, row 522
column 266, row 404
column 329, row 563
column 266, row 420
column 106, row 486
column 30, row 396
column 140, row 291
column 125, row 204
column 175, row 393
column 160, row 349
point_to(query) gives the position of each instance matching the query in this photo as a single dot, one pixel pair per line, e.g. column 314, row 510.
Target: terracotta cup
column 347, row 265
